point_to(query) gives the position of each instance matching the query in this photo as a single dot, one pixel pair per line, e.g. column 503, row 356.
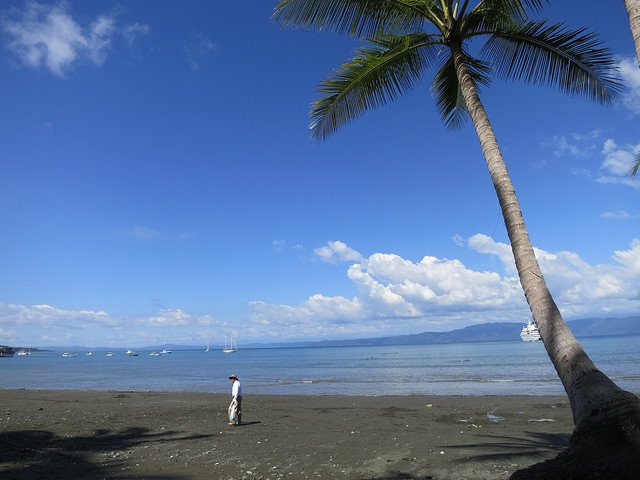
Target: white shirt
column 236, row 390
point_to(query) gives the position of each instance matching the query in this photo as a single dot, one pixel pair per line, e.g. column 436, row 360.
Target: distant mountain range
column 485, row 332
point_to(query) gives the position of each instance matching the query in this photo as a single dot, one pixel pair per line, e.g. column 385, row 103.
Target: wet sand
column 126, row 435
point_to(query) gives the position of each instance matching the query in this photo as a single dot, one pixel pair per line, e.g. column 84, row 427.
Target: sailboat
column 230, row 348
column 207, row 349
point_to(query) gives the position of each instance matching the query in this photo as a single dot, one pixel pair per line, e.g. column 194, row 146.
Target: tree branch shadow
column 537, row 445
column 37, row 454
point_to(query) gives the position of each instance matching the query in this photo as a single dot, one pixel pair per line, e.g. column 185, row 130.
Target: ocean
column 494, row 368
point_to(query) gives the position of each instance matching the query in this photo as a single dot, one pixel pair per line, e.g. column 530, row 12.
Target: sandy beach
column 126, row 435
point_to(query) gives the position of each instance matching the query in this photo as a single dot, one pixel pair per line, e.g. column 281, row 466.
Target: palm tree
column 633, row 10
column 402, row 39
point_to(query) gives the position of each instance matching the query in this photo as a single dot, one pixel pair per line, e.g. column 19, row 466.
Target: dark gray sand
column 125, row 435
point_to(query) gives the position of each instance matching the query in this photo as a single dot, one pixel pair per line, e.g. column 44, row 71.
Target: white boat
column 165, row 350
column 68, row 354
column 131, row 353
column 154, row 354
column 230, row 347
column 89, row 354
column 207, row 349
column 109, row 354
column 530, row 332
column 23, row 352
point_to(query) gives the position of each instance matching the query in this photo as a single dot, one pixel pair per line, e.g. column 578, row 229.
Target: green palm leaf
column 355, row 17
column 635, row 166
column 516, row 9
column 381, row 72
column 447, row 93
column 571, row 61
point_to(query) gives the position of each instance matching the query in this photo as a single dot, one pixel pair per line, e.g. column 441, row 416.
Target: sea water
column 493, row 368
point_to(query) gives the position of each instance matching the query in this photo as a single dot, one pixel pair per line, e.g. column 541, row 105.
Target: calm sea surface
column 500, row 368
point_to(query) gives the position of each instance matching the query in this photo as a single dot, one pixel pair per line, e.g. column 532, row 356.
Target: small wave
column 306, row 382
column 626, row 377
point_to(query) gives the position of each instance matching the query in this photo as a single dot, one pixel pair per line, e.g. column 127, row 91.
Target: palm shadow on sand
column 37, row 454
column 537, row 445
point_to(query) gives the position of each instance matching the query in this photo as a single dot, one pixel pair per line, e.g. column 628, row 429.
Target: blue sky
column 158, row 184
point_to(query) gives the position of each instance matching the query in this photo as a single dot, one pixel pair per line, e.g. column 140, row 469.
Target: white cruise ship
column 530, row 332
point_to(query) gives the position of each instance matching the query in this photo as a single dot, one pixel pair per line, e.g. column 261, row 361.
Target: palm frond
column 447, row 93
column 492, row 15
column 516, row 9
column 635, row 166
column 379, row 73
column 362, row 18
column 572, row 61
column 487, row 17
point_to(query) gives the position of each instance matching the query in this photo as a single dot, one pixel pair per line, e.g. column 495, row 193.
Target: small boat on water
column 230, row 347
column 530, row 332
column 131, row 353
column 89, row 354
column 68, row 354
column 22, row 352
column 165, row 350
column 154, row 354
column 109, row 354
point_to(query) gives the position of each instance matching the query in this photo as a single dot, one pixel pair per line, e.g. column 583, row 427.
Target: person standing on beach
column 235, row 408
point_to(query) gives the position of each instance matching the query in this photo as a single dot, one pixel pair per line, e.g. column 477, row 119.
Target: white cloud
column 398, row 295
column 46, row 325
column 140, row 232
column 394, row 296
column 44, row 36
column 48, row 316
column 278, row 245
column 199, row 50
column 281, row 246
column 616, row 215
column 177, row 318
column 143, row 233
column 628, row 69
column 630, row 259
column 616, row 163
column 133, row 31
column 49, row 37
column 337, row 252
column 575, row 145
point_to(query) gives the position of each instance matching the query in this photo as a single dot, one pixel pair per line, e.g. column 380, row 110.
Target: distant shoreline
column 479, row 333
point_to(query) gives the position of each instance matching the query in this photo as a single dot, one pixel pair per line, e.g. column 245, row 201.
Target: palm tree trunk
column 592, row 395
column 633, row 10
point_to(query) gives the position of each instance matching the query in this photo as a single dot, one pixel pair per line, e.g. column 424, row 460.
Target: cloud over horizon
column 445, row 294
column 395, row 296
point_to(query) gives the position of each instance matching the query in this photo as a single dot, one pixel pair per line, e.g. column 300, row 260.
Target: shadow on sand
column 535, row 448
column 400, row 476
column 35, row 454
